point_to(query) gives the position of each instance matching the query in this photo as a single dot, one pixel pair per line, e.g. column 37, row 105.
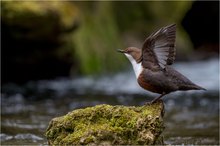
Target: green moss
column 25, row 17
column 108, row 124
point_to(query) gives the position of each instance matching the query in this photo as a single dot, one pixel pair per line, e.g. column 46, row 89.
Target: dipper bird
column 151, row 64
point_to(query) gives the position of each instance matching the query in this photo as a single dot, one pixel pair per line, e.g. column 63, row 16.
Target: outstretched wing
column 159, row 48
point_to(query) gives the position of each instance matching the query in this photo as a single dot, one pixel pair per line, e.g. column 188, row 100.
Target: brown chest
column 148, row 85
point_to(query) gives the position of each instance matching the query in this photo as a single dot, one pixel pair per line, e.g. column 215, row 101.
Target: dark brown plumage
column 152, row 64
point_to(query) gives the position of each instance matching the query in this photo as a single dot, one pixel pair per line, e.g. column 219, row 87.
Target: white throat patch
column 136, row 66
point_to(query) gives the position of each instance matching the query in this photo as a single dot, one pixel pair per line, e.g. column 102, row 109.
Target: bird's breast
column 148, row 83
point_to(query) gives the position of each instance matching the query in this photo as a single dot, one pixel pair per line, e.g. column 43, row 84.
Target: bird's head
column 131, row 53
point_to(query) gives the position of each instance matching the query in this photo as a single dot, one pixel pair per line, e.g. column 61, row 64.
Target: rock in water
column 109, row 125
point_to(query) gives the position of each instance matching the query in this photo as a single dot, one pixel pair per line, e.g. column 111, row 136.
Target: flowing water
column 191, row 117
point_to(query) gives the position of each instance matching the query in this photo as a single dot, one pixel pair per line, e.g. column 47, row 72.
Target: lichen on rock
column 111, row 125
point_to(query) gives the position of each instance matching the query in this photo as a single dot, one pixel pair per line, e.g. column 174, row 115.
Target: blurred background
column 58, row 56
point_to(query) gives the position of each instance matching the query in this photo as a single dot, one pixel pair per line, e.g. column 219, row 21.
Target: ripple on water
column 190, row 141
column 125, row 82
column 186, row 112
column 26, row 137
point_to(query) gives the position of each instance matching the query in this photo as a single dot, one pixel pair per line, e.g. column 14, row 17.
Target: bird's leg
column 155, row 99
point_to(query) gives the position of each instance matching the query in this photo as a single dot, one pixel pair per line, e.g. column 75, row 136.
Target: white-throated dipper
column 151, row 64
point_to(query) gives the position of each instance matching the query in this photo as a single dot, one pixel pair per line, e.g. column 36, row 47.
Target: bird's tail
column 198, row 88
column 192, row 87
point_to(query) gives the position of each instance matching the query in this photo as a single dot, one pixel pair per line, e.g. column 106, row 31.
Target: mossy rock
column 35, row 36
column 110, row 125
column 38, row 19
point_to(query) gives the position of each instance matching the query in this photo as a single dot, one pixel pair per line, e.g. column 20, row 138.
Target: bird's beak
column 121, row 51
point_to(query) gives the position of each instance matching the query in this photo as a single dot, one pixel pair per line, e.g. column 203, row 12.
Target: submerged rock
column 111, row 125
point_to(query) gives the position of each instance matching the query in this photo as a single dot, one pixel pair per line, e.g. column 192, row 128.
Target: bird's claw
column 152, row 102
column 148, row 103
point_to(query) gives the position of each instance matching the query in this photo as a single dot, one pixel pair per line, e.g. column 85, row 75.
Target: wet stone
column 109, row 125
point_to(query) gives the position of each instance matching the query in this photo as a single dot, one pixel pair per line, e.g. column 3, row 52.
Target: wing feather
column 159, row 48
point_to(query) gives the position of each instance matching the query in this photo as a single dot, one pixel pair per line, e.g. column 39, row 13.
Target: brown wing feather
column 159, row 48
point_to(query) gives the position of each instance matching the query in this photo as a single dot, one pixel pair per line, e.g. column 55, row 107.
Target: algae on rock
column 106, row 124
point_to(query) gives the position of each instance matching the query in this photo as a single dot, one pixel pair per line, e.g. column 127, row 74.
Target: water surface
column 191, row 117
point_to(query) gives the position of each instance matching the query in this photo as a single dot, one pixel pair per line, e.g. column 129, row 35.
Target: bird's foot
column 148, row 103
column 156, row 101
column 153, row 101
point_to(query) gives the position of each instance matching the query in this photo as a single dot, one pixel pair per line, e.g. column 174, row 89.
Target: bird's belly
column 156, row 81
column 150, row 86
